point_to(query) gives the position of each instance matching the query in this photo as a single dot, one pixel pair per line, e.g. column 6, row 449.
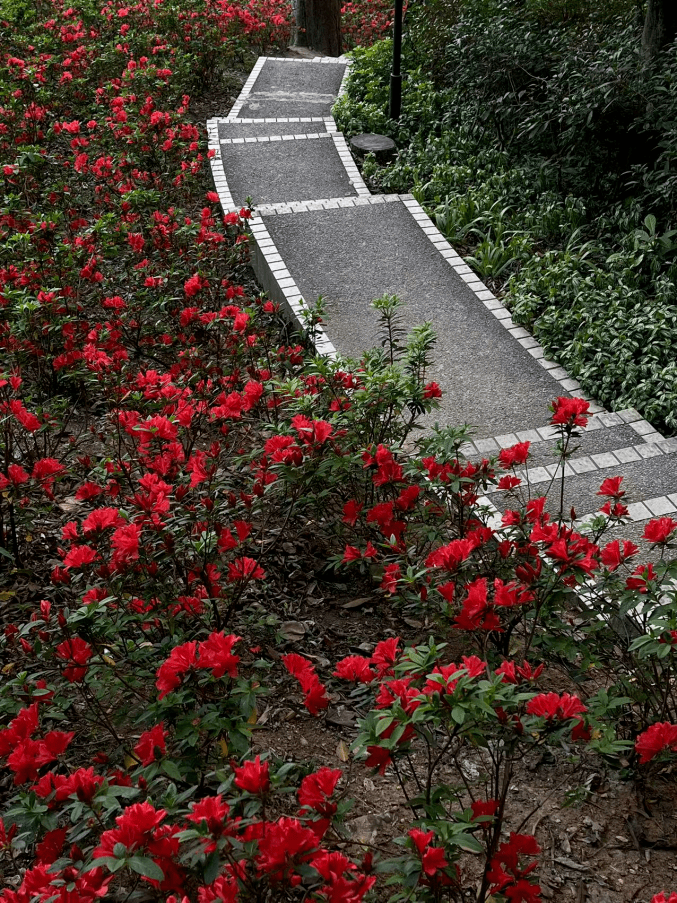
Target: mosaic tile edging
column 327, row 121
column 260, row 63
column 604, row 420
column 221, row 181
column 277, row 281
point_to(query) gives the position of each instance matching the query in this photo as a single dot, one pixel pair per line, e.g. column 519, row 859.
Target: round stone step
column 381, row 146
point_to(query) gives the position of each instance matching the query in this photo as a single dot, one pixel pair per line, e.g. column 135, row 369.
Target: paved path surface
column 319, row 231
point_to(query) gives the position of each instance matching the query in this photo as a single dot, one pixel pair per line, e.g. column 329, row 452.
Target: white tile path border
column 597, row 462
column 277, row 281
column 493, row 305
column 605, row 420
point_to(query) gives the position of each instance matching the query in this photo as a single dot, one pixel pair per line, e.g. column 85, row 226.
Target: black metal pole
column 395, row 105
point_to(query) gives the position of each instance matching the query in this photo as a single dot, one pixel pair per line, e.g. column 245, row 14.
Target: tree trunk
column 321, row 20
column 660, row 27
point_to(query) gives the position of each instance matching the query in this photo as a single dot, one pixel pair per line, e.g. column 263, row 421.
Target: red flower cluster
column 508, row 877
column 299, row 667
column 214, row 654
column 25, row 756
column 655, row 739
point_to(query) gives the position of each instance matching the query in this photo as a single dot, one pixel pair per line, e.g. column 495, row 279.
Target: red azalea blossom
column 152, row 745
column 433, row 859
column 660, row 530
column 253, row 777
column 516, row 454
column 245, row 569
column 170, row 673
column 570, row 411
column 553, row 706
column 77, row 652
column 316, row 697
column 655, row 739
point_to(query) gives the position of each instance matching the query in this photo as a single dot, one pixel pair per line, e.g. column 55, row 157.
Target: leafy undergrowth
column 170, row 454
column 541, row 144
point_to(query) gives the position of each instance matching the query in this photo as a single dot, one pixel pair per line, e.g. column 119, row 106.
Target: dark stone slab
column 351, row 256
column 263, row 129
column 278, row 171
column 645, row 479
column 294, row 89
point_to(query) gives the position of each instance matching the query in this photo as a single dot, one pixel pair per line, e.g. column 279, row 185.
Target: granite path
column 318, row 231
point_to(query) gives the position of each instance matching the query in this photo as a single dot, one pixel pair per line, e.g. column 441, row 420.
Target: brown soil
column 604, row 838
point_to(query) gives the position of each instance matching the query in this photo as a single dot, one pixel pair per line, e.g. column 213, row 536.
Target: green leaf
column 212, row 867
column 171, row 769
column 468, row 843
column 146, row 867
column 458, row 714
column 383, row 725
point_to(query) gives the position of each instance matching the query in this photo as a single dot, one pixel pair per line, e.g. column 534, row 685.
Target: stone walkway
column 319, row 231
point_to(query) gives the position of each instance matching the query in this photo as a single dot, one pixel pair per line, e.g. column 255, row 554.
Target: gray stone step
column 290, row 87
column 604, row 432
column 276, row 169
column 358, row 250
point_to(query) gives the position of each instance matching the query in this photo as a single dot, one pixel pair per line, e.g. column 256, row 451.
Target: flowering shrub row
column 159, row 433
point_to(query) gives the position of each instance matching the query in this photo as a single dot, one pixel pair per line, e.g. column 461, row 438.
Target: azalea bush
column 363, row 22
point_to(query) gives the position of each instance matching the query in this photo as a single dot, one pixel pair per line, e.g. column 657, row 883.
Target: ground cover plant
column 540, row 141
column 167, row 445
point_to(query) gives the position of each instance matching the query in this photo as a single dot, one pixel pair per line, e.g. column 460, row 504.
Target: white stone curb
column 605, row 420
column 277, row 281
column 246, row 88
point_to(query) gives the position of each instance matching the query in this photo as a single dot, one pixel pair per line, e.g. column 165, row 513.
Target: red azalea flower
column 355, row 667
column 152, row 745
column 553, row 706
column 570, row 411
column 253, row 777
column 77, row 652
column 316, row 789
column 612, row 555
column 245, row 569
column 351, row 511
column 284, row 845
column 660, row 530
column 216, row 653
column 170, row 673
column 612, row 487
column 516, row 454
column 655, row 739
